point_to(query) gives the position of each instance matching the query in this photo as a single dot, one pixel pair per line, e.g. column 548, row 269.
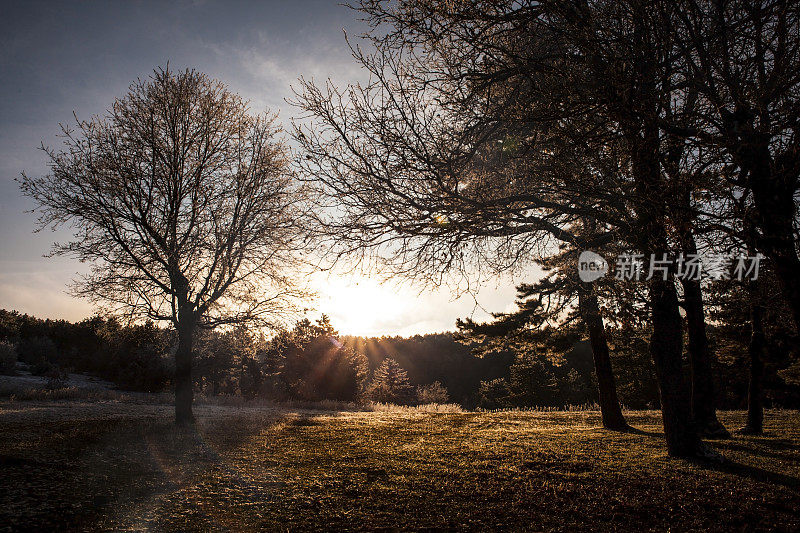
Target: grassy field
column 101, row 466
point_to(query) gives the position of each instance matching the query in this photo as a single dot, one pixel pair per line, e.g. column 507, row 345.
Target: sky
column 60, row 57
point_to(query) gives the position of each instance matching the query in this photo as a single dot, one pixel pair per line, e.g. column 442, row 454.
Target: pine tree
column 390, row 384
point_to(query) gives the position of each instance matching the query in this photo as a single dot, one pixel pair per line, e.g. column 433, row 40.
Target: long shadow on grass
column 743, row 470
column 96, row 469
column 636, row 431
column 753, row 473
column 778, row 444
column 203, row 448
column 789, row 450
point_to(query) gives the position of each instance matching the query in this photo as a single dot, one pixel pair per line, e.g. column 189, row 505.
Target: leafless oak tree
column 183, row 203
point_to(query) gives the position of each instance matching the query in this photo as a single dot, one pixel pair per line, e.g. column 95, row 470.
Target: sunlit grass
column 124, row 466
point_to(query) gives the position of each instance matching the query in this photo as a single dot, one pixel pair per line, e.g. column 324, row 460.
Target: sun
column 362, row 306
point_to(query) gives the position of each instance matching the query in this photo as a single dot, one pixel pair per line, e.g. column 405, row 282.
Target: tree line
column 312, row 362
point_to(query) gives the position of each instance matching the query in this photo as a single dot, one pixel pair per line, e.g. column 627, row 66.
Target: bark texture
column 704, row 408
column 665, row 348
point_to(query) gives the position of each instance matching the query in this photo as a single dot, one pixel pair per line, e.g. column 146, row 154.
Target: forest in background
column 312, row 362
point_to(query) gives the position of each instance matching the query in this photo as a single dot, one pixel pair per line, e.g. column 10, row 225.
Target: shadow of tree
column 754, row 473
column 197, row 458
column 784, row 450
column 637, row 431
column 116, row 465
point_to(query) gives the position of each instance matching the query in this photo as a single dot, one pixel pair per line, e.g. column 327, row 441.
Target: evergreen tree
column 311, row 363
column 390, row 384
column 549, row 321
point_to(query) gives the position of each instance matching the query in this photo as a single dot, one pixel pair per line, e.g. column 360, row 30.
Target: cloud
column 60, row 57
column 265, row 72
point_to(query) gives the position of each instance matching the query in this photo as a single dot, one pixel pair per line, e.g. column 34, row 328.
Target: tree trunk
column 787, row 267
column 703, row 390
column 704, row 408
column 666, row 347
column 606, row 387
column 755, row 392
column 773, row 199
column 666, row 342
column 183, row 366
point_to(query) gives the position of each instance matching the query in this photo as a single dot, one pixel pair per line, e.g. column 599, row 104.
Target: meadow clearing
column 124, row 466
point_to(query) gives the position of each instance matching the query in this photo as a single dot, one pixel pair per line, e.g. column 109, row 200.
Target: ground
column 123, row 466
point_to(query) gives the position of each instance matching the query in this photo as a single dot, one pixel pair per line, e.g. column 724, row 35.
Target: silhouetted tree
column 390, row 384
column 556, row 301
column 315, row 365
column 739, row 61
column 518, row 120
column 436, row 357
column 183, row 203
column 754, row 332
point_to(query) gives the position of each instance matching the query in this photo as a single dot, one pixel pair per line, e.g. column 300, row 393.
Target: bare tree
column 428, row 163
column 741, row 59
column 183, row 203
column 489, row 129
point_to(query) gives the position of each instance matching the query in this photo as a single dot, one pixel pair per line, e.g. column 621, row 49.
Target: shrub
column 433, row 393
column 8, row 358
column 56, row 378
column 427, row 408
column 38, row 352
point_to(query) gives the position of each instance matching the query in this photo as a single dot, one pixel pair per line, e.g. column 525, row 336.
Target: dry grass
column 124, row 466
column 41, row 394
